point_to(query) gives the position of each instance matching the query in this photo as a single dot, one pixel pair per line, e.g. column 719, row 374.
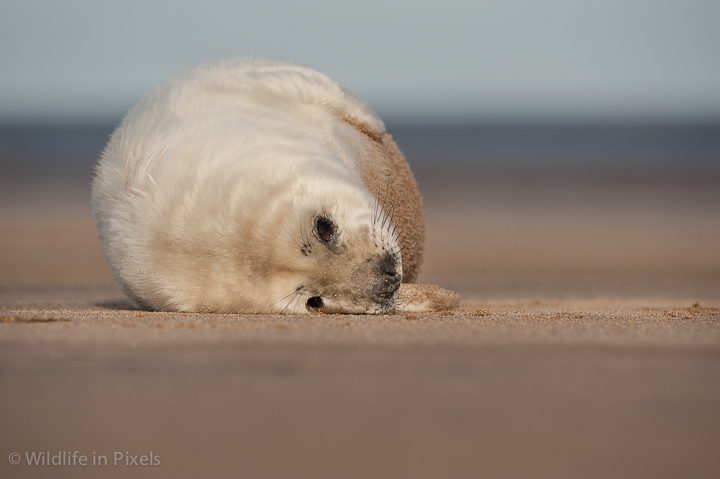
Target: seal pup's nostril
column 314, row 303
column 392, row 277
column 388, row 269
column 389, row 278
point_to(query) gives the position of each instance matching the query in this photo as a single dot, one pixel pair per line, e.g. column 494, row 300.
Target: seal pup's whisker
column 297, row 293
column 299, row 288
column 387, row 190
column 293, row 301
column 300, row 246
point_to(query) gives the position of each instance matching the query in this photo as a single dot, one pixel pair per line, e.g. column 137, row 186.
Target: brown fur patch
column 387, row 176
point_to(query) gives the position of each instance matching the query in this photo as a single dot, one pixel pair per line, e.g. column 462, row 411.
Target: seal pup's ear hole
column 314, row 303
column 324, row 229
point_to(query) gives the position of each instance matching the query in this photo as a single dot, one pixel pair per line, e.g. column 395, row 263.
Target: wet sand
column 587, row 345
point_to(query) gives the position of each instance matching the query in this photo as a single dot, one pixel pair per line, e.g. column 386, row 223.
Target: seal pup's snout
column 390, row 268
column 389, row 279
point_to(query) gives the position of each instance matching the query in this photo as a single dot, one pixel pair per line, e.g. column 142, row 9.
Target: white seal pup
column 257, row 186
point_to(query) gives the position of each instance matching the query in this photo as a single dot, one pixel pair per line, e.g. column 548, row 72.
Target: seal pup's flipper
column 418, row 298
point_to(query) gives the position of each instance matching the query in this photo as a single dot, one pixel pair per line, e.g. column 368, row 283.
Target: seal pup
column 257, row 186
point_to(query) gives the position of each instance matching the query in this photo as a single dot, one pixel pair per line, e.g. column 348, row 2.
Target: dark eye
column 324, row 228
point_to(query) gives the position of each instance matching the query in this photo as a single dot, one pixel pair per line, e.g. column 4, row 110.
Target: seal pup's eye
column 314, row 303
column 324, row 229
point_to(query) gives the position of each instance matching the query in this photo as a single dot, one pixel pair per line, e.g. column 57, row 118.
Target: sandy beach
column 587, row 345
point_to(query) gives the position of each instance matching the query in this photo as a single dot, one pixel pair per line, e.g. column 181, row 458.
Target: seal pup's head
column 344, row 255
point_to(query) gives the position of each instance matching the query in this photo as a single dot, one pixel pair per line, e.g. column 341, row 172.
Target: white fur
column 212, row 179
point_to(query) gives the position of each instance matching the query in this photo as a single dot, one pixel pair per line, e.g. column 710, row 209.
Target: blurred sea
column 27, row 151
column 501, row 201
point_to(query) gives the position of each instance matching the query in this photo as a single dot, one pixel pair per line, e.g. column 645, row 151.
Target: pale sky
column 413, row 60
